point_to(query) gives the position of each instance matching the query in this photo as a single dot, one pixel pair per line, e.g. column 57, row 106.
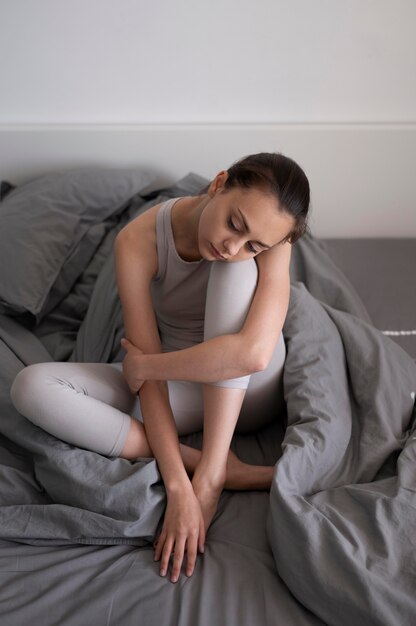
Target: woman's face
column 238, row 224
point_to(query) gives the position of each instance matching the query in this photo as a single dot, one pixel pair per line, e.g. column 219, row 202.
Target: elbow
column 260, row 364
column 258, row 360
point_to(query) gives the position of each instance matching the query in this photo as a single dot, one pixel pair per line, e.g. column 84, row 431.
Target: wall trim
column 362, row 175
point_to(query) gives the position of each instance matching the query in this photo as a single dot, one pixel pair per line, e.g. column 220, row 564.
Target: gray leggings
column 89, row 404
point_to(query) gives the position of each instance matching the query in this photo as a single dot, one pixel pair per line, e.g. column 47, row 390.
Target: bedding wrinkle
column 366, row 518
column 340, row 514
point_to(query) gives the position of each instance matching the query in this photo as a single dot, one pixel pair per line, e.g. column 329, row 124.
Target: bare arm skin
column 257, row 339
column 232, row 355
column 220, row 358
column 222, row 405
column 136, row 264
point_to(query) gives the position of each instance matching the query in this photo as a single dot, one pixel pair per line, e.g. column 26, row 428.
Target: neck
column 185, row 224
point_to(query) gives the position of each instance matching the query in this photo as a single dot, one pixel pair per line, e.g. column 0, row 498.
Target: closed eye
column 232, row 225
column 234, row 228
column 252, row 248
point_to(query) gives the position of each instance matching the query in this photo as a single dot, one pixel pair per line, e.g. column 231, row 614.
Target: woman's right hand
column 131, row 363
column 183, row 531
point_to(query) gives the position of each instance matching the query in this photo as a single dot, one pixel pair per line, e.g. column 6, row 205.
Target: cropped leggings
column 90, row 404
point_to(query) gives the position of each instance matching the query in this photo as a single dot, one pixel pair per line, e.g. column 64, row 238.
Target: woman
column 204, row 288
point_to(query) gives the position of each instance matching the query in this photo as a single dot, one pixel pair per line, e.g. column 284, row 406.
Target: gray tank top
column 178, row 289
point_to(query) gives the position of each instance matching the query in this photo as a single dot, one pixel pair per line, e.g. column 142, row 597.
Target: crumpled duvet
column 342, row 522
column 342, row 516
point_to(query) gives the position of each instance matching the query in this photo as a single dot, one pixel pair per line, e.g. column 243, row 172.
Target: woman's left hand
column 131, row 365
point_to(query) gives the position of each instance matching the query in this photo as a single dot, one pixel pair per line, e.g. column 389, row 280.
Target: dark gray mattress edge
column 382, row 271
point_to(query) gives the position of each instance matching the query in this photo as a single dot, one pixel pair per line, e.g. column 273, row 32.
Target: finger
column 155, row 544
column 201, row 537
column 191, row 554
column 177, row 560
column 159, row 543
column 166, row 553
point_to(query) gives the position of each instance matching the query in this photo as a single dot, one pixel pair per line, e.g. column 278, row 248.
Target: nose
column 232, row 246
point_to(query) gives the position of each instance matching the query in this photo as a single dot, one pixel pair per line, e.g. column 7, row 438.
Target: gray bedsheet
column 333, row 542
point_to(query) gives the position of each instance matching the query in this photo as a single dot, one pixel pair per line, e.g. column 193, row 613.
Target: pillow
column 190, row 185
column 50, row 228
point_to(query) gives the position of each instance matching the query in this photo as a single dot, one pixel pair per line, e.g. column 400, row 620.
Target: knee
column 25, row 388
column 231, row 288
column 239, row 278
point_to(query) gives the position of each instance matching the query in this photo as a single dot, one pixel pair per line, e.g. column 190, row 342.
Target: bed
column 332, row 543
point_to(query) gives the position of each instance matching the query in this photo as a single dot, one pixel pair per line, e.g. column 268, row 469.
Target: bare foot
column 239, row 476
column 243, row 476
column 236, row 471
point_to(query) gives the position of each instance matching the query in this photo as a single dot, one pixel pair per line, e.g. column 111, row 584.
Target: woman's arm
column 232, row 355
column 136, row 264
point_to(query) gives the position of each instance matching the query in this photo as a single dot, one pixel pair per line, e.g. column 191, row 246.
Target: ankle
column 190, row 457
column 250, row 477
column 211, row 479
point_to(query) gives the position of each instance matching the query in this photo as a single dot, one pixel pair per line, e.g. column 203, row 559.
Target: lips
column 216, row 253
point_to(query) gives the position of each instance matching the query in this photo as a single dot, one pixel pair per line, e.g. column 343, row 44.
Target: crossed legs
column 90, row 404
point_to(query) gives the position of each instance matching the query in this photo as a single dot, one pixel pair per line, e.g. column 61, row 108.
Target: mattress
column 382, row 272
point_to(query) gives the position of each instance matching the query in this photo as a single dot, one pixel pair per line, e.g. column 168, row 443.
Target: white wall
column 170, row 61
column 186, row 85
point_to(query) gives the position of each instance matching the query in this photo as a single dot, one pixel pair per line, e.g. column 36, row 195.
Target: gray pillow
column 50, row 228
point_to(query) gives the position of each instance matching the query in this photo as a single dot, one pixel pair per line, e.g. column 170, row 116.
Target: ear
column 218, row 183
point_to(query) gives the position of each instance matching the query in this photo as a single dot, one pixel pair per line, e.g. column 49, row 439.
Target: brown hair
column 279, row 175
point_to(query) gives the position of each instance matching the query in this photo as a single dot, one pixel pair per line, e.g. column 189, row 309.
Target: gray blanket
column 341, row 518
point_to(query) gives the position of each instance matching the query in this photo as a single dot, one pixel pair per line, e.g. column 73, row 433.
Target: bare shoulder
column 143, row 224
column 137, row 241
